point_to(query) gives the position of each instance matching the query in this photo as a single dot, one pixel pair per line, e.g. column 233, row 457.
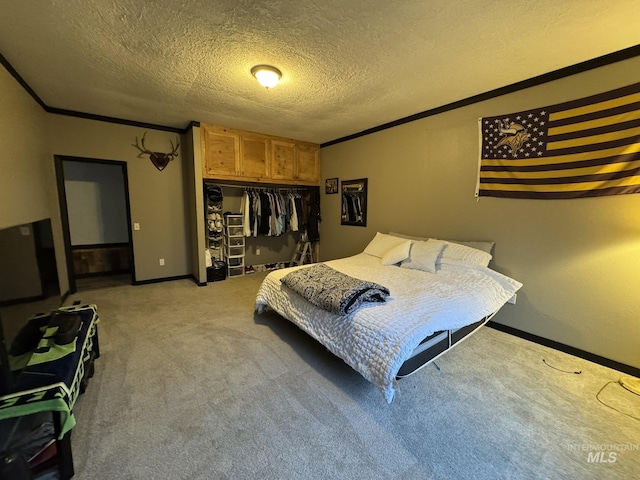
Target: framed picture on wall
column 354, row 202
column 331, row 186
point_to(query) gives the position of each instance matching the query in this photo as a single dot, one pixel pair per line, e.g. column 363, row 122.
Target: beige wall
column 157, row 198
column 28, row 192
column 27, row 182
column 579, row 259
column 24, row 184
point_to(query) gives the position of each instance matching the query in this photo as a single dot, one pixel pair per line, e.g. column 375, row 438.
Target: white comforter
column 377, row 339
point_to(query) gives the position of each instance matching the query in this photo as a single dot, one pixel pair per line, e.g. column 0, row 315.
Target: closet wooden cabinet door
column 308, row 162
column 283, row 160
column 254, row 154
column 220, row 152
column 295, row 161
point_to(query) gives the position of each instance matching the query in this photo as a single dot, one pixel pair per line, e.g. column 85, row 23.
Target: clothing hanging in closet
column 272, row 213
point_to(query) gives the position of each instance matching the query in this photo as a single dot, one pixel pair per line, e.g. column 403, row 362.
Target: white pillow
column 397, row 253
column 409, row 237
column 484, row 246
column 382, row 243
column 424, row 255
column 456, row 254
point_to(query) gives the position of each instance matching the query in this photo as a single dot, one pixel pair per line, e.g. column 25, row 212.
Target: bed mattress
column 378, row 338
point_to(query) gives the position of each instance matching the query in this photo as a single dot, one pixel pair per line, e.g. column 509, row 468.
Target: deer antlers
column 159, row 159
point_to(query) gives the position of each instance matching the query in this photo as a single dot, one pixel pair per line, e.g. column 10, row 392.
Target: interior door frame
column 64, row 212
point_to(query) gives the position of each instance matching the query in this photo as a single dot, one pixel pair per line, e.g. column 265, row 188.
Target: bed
column 439, row 293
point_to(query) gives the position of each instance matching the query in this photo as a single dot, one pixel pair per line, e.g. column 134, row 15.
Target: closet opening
column 256, row 227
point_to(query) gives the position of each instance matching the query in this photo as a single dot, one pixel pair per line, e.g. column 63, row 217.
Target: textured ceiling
column 348, row 65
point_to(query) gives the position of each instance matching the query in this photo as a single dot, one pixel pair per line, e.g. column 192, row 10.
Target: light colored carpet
column 192, row 384
column 102, row 281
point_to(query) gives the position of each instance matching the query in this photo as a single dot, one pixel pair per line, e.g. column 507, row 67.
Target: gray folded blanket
column 332, row 290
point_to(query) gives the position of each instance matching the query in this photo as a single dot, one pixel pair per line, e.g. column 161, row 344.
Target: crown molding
column 88, row 116
column 594, row 63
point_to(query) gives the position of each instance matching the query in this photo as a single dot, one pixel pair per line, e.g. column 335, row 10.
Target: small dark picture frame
column 354, row 202
column 331, row 186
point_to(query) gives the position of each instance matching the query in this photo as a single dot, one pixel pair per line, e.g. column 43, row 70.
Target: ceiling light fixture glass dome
column 266, row 75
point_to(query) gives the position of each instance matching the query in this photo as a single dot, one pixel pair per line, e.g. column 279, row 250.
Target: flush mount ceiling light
column 266, row 75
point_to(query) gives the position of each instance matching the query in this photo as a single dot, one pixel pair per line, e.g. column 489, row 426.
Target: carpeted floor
column 102, row 281
column 191, row 384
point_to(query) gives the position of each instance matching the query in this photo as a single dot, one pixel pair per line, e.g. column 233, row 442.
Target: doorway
column 96, row 222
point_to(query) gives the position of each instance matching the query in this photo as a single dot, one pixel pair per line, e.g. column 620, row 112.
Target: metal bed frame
column 437, row 344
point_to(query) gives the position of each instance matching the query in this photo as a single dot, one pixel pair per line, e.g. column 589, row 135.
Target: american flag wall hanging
column 583, row 148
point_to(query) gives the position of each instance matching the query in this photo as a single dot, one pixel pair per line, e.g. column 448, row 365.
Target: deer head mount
column 159, row 159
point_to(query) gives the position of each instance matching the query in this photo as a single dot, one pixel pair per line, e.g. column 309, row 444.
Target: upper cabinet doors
column 229, row 154
column 254, row 154
column 221, row 152
column 283, row 160
column 297, row 161
column 308, row 162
